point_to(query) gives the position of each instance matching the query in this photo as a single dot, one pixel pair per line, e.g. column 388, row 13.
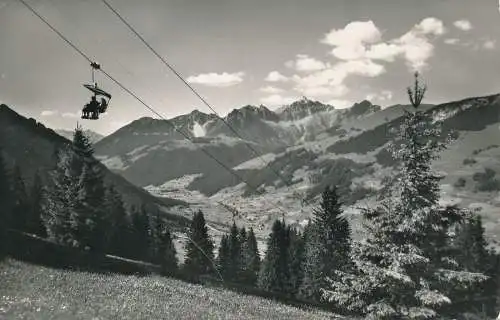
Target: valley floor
column 34, row 292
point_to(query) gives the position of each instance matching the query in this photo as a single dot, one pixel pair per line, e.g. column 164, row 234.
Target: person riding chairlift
column 94, row 108
column 103, row 106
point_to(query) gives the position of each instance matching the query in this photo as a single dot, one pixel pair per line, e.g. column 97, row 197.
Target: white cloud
column 340, row 104
column 489, row 44
column 361, row 41
column 275, row 76
column 464, row 25
column 359, row 47
column 48, row 113
column 416, row 50
column 430, row 25
column 384, row 51
column 305, row 63
column 385, row 95
column 452, row 41
column 354, row 32
column 271, row 89
column 350, row 41
column 415, row 45
column 70, row 115
column 277, row 100
column 217, row 80
column 336, row 74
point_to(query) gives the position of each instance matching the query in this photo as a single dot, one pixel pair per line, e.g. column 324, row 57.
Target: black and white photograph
column 250, row 159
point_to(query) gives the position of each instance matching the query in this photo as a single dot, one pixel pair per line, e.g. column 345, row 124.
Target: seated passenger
column 103, row 106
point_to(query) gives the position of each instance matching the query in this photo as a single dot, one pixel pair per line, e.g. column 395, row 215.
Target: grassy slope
column 34, row 292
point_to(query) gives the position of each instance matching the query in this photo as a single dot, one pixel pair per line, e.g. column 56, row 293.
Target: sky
column 240, row 52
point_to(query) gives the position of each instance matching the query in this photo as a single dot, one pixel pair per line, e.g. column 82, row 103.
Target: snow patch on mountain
column 199, row 130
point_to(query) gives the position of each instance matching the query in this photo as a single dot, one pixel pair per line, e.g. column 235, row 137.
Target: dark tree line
column 80, row 211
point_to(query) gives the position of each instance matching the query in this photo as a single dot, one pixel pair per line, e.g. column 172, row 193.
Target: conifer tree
column 335, row 231
column 223, row 257
column 274, row 274
column 296, row 262
column 161, row 247
column 168, row 253
column 242, row 237
column 155, row 231
column 81, row 146
column 199, row 250
column 327, row 248
column 242, row 270
column 74, row 208
column 118, row 223
column 404, row 269
column 251, row 259
column 140, row 233
column 474, row 256
column 61, row 201
column 235, row 254
column 35, row 223
column 21, row 208
column 313, row 265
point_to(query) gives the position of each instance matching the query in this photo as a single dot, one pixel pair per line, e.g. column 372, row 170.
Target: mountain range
column 287, row 156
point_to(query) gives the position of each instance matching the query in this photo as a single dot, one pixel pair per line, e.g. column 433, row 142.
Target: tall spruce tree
column 404, row 269
column 61, row 200
column 20, row 213
column 296, row 261
column 313, row 265
column 224, row 258
column 274, row 274
column 119, row 224
column 161, row 247
column 199, row 249
column 75, row 207
column 155, row 230
column 90, row 211
column 35, row 223
column 235, row 254
column 251, row 259
column 168, row 254
column 327, row 248
column 474, row 256
column 140, row 234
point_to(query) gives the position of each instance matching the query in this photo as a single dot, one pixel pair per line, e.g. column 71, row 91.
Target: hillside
column 33, row 292
column 310, row 144
column 32, row 147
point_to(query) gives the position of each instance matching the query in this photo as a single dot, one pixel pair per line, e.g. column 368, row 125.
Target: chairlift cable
column 140, row 100
column 259, row 155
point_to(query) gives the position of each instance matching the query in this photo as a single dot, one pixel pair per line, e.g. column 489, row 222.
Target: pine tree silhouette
column 405, row 268
column 199, row 250
column 35, row 223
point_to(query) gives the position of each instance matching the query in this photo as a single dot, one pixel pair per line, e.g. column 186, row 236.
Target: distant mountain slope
column 151, row 152
column 33, row 147
column 68, row 134
column 310, row 144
